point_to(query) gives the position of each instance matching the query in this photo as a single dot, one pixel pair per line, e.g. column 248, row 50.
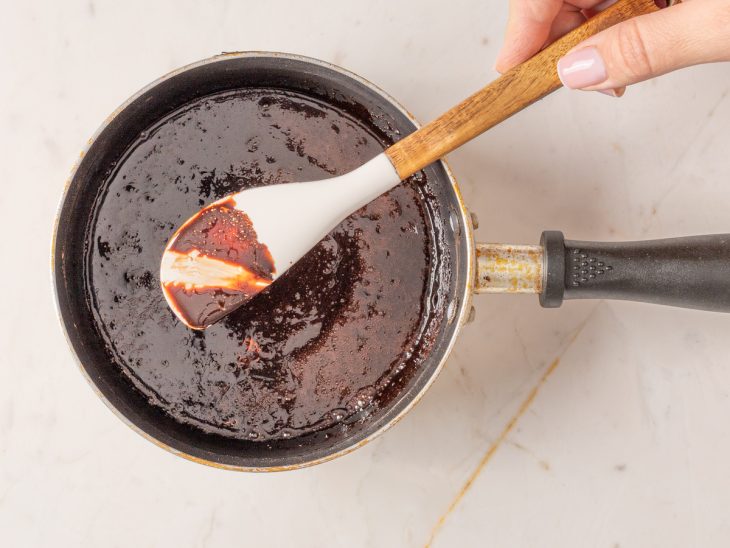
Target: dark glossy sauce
column 215, row 264
column 314, row 348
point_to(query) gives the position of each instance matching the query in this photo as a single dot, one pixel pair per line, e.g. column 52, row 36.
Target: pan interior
column 215, row 395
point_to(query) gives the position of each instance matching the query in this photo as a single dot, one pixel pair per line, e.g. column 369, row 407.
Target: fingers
column 685, row 34
column 527, row 30
column 534, row 23
column 566, row 20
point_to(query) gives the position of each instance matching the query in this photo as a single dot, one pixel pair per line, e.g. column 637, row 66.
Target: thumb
column 690, row 33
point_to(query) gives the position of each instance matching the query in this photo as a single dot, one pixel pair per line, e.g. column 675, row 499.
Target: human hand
column 690, row 33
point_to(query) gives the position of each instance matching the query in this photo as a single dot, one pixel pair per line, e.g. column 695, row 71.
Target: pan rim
column 463, row 296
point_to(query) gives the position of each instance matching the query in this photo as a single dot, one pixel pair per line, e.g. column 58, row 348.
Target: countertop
column 596, row 424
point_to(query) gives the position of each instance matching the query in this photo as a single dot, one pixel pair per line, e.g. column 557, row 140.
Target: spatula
column 231, row 250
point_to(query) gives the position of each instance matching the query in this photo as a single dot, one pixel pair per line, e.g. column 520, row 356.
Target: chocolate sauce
column 214, row 264
column 321, row 345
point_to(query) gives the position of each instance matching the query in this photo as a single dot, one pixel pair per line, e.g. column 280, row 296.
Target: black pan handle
column 691, row 272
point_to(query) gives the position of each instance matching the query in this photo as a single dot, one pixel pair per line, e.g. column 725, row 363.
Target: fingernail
column 616, row 92
column 582, row 69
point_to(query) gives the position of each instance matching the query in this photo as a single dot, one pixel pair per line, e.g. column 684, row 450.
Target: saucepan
column 689, row 272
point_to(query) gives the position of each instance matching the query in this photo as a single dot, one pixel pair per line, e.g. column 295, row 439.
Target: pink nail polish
column 616, row 92
column 582, row 69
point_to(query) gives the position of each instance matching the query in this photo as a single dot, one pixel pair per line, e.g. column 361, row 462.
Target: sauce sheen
column 310, row 351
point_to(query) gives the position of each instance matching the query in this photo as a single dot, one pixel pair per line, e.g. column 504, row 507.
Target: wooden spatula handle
column 508, row 94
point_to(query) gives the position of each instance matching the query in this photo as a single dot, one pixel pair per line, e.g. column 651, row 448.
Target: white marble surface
column 625, row 442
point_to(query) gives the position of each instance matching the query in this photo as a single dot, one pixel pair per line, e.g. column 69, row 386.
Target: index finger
column 533, row 23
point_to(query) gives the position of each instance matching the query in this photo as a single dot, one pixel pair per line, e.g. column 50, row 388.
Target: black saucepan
column 689, row 272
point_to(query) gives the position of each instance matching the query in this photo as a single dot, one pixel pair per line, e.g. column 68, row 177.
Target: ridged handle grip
column 689, row 272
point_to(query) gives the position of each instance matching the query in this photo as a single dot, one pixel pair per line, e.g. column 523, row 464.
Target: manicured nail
column 582, row 69
column 616, row 92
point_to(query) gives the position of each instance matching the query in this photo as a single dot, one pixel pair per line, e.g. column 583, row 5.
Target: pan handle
column 689, row 272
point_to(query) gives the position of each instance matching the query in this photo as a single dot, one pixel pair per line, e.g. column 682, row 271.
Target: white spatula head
column 233, row 249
